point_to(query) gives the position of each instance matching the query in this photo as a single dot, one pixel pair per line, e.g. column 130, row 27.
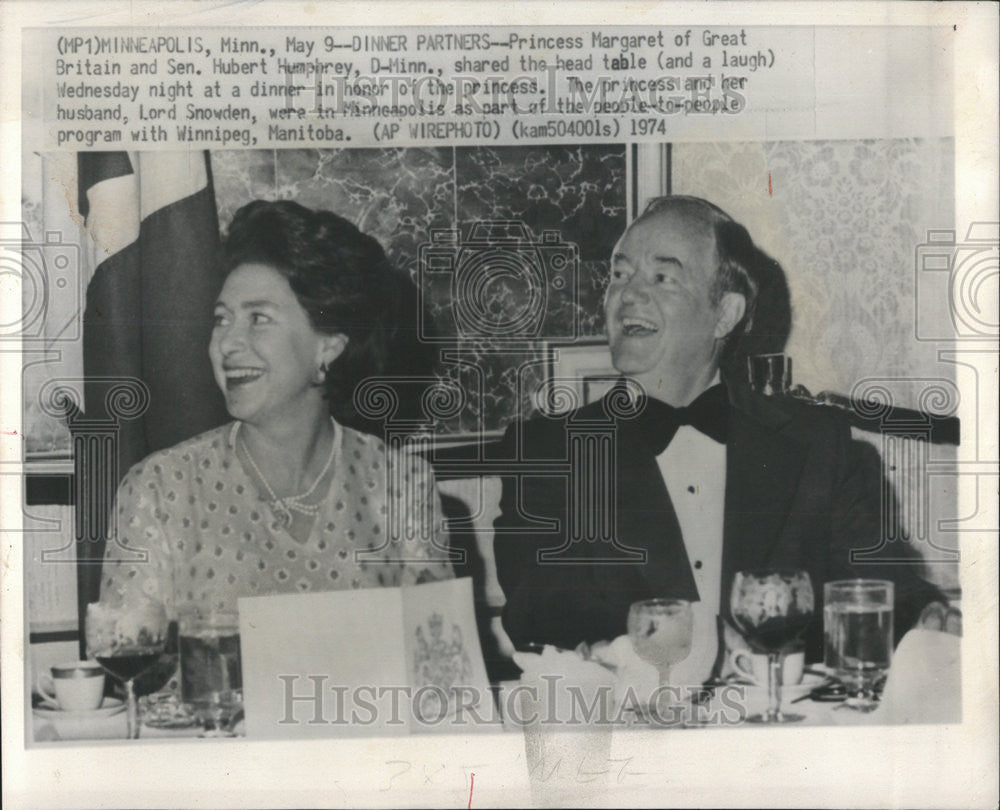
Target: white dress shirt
column 693, row 467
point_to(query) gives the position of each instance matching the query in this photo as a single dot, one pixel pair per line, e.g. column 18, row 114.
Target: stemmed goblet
column 771, row 610
column 127, row 640
column 660, row 631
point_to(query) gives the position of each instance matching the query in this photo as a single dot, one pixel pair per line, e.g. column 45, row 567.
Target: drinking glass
column 771, row 610
column 211, row 675
column 770, row 374
column 660, row 631
column 127, row 640
column 857, row 624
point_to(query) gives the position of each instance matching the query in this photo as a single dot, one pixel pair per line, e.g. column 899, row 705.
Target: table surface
column 729, row 707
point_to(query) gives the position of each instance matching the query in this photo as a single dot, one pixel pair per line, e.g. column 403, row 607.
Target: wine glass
column 127, row 640
column 660, row 631
column 772, row 609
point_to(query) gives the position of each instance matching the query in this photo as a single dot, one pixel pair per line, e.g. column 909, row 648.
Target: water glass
column 857, row 624
column 211, row 674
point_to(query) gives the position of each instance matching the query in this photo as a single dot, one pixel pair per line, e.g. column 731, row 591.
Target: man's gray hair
column 742, row 265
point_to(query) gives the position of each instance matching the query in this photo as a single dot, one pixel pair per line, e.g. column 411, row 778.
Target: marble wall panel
column 576, row 193
column 240, row 176
column 499, row 385
column 396, row 195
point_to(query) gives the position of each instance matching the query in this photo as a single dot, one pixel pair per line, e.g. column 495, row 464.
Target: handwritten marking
column 400, row 773
column 472, row 786
column 427, row 777
column 770, row 191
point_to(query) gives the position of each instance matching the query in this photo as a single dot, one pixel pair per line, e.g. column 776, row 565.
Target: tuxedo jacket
column 800, row 493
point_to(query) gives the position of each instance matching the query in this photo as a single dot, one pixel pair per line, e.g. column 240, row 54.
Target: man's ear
column 331, row 348
column 731, row 309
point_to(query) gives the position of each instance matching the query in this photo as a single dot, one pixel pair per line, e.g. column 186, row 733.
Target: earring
column 321, row 373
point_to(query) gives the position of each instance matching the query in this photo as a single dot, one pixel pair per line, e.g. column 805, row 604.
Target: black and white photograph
column 418, row 405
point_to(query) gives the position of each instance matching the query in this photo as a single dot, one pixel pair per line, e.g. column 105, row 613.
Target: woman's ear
column 331, row 348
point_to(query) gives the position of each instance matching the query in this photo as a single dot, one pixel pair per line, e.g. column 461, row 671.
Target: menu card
column 380, row 661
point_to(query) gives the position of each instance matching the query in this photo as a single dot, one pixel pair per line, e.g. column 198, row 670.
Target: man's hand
column 937, row 616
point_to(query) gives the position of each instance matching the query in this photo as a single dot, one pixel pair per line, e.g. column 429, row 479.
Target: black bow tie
column 709, row 413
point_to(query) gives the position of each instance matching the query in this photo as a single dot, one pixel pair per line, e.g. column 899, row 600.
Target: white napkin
column 925, row 681
column 631, row 672
column 554, row 675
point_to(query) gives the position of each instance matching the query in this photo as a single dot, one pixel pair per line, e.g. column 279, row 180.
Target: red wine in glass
column 128, row 665
column 772, row 609
column 777, row 634
column 127, row 640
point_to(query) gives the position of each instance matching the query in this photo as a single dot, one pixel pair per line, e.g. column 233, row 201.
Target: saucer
column 789, row 691
column 109, row 707
column 810, row 681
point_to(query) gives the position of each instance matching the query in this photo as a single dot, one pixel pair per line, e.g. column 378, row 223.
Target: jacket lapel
column 647, row 520
column 763, row 468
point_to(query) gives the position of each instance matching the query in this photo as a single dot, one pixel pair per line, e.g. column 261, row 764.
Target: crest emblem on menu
column 440, row 660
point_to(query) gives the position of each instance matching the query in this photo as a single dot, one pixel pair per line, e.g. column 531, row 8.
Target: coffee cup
column 752, row 667
column 74, row 686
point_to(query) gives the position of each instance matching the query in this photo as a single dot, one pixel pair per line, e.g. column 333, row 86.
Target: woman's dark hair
column 340, row 276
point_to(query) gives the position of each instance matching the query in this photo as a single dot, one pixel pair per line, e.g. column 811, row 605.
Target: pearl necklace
column 283, row 507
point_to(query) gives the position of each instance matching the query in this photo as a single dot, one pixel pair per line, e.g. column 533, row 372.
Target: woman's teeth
column 241, row 376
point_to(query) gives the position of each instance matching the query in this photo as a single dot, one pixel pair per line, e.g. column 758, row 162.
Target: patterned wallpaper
column 844, row 218
column 577, row 193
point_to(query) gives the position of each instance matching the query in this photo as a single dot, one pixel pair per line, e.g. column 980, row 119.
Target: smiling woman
column 265, row 353
column 285, row 498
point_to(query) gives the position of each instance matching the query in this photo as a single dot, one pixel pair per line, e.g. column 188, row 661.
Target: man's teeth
column 638, row 326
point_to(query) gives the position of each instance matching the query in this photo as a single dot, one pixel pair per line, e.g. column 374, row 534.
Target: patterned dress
column 194, row 531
